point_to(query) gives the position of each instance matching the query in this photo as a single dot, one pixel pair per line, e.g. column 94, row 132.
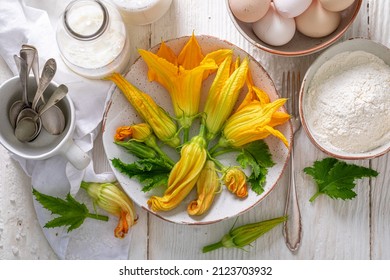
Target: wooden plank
column 379, row 22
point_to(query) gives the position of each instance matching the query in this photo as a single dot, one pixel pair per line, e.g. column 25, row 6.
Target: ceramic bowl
column 300, row 44
column 357, row 44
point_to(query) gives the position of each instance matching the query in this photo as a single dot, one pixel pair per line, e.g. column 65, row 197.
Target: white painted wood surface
column 332, row 229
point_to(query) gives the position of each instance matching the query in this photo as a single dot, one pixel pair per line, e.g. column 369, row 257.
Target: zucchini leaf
column 150, row 173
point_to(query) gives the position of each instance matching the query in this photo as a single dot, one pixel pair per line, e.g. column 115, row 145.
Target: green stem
column 97, row 217
column 202, row 131
column 314, row 197
column 84, row 185
column 221, row 152
column 212, row 247
column 164, row 155
column 186, row 134
column 213, row 149
column 218, row 163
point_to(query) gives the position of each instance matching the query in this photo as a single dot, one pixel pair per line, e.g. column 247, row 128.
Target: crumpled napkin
column 21, row 24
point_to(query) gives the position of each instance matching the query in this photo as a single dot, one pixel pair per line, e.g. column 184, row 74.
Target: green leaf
column 258, row 156
column 336, row 178
column 71, row 212
column 150, row 173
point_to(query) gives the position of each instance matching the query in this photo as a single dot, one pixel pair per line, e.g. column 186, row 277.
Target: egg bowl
column 305, row 100
column 300, row 44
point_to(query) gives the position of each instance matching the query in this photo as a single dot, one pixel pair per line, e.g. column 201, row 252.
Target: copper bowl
column 300, row 44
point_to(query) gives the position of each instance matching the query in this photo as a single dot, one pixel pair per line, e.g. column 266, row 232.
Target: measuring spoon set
column 28, row 117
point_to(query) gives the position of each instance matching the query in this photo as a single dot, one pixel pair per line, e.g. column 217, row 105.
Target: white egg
column 291, row 8
column 336, row 5
column 317, row 22
column 274, row 29
column 249, row 10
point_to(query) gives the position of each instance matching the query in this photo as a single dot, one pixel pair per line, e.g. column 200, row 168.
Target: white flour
column 349, row 102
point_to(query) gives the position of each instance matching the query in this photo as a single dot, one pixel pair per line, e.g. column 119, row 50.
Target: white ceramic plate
column 120, row 113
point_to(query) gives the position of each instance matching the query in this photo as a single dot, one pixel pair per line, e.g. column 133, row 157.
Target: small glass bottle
column 142, row 12
column 92, row 39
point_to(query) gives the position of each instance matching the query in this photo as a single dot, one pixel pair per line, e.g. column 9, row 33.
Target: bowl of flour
column 345, row 100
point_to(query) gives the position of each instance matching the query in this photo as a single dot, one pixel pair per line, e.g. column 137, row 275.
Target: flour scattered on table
column 349, row 102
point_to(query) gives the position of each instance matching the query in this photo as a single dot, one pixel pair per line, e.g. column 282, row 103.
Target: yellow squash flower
column 138, row 132
column 183, row 176
column 208, row 185
column 123, row 132
column 161, row 123
column 254, row 93
column 111, row 198
column 252, row 122
column 142, row 142
column 244, row 235
column 235, row 181
column 223, row 95
column 182, row 77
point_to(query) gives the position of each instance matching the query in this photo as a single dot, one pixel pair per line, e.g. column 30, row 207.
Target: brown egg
column 336, row 5
column 249, row 10
column 316, row 21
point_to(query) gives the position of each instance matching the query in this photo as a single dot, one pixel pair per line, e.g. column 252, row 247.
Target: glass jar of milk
column 92, row 39
column 142, row 12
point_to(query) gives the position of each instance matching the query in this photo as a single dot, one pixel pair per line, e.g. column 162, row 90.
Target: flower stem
column 221, row 152
column 202, row 131
column 164, row 155
column 186, row 134
column 212, row 151
column 218, row 163
column 314, row 197
column 212, row 247
column 97, row 217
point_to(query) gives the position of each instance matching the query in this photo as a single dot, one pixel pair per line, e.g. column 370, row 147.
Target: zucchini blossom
column 253, row 122
column 183, row 176
column 142, row 141
column 182, row 75
column 208, row 185
column 244, row 235
column 137, row 149
column 158, row 119
column 223, row 95
column 111, row 198
column 235, row 180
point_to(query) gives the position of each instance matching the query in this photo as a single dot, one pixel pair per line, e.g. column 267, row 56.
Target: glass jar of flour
column 92, row 39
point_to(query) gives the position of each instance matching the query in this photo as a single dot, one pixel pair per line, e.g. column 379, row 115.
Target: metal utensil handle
column 21, row 64
column 48, row 73
column 35, row 61
column 56, row 96
column 292, row 228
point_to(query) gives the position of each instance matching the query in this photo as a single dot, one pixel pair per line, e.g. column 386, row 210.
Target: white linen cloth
column 21, row 24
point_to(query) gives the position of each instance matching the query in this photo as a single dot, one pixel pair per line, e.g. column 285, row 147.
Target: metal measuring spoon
column 28, row 55
column 48, row 72
column 18, row 106
column 53, row 120
column 28, row 128
column 35, row 61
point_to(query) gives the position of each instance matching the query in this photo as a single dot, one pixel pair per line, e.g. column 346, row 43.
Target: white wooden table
column 332, row 229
